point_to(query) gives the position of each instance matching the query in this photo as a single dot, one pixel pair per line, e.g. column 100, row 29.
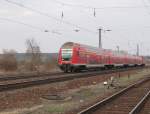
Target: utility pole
column 118, row 48
column 100, row 38
column 137, row 53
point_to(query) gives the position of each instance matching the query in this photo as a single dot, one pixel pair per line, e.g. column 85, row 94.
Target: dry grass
column 8, row 61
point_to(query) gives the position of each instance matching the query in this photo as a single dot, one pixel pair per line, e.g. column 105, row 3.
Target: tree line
column 33, row 61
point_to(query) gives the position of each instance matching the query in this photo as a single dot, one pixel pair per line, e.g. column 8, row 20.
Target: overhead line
column 28, row 25
column 18, row 22
column 91, row 7
column 49, row 16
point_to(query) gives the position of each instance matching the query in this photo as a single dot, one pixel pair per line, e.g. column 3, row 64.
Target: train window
column 78, row 53
column 66, row 54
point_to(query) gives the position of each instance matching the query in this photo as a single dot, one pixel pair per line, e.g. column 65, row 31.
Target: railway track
column 37, row 75
column 27, row 76
column 131, row 100
column 145, row 107
column 19, row 84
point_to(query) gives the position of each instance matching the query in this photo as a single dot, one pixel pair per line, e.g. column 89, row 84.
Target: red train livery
column 74, row 57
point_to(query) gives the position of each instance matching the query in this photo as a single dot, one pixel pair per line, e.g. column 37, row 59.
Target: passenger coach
column 74, row 57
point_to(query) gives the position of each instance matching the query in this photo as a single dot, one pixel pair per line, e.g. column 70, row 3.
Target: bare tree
column 34, row 54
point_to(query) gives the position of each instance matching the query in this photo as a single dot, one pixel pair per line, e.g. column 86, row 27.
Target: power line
column 91, row 7
column 28, row 25
column 49, row 16
column 18, row 22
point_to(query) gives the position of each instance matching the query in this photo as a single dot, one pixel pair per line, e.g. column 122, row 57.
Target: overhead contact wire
column 49, row 16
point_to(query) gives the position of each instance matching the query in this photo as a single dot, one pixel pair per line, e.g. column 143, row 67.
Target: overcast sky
column 129, row 21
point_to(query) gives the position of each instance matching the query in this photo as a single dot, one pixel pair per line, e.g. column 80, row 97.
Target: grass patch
column 84, row 93
column 56, row 109
column 59, row 107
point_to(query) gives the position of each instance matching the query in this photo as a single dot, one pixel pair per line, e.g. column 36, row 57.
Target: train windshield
column 66, row 54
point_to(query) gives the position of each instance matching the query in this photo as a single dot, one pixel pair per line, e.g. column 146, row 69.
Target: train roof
column 97, row 50
column 68, row 45
column 72, row 44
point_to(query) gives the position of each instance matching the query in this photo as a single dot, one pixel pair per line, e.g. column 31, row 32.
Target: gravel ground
column 77, row 93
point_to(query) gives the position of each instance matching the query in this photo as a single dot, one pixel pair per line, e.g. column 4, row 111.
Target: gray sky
column 129, row 21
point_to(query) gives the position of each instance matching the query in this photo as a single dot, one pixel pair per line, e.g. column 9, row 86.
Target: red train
column 74, row 57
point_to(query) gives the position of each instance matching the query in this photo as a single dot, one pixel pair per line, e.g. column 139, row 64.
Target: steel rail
column 26, row 76
column 35, row 75
column 62, row 78
column 96, row 106
column 140, row 105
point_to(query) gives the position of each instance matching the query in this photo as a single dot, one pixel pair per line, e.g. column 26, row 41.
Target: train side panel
column 74, row 56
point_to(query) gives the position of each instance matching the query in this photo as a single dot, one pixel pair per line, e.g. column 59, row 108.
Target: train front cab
column 69, row 59
column 66, row 59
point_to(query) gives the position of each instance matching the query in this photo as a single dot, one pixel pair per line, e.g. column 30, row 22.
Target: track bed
column 123, row 102
column 146, row 107
column 40, row 80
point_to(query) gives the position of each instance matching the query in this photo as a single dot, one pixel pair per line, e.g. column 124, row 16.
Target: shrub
column 8, row 60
